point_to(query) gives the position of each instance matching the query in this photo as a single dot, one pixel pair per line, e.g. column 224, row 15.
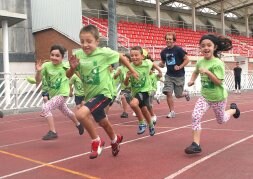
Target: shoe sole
column 192, row 152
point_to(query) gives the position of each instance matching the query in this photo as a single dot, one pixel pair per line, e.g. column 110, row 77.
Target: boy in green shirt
column 92, row 63
column 140, row 88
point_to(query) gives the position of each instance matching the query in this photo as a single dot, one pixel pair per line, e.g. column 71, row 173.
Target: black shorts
column 143, row 98
column 79, row 99
column 97, row 105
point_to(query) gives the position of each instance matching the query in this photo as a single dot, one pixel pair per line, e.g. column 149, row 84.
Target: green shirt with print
column 78, row 85
column 209, row 90
column 55, row 79
column 94, row 71
column 143, row 84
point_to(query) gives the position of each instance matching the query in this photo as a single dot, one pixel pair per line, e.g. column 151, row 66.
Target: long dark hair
column 222, row 43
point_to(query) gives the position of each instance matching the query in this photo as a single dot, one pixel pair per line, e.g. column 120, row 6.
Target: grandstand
column 137, row 24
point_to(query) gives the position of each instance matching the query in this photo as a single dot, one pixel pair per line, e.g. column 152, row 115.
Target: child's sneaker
column 80, row 129
column 172, row 114
column 124, row 115
column 193, row 149
column 158, row 99
column 115, row 146
column 142, row 128
column 237, row 112
column 152, row 131
column 96, row 148
column 187, row 96
column 50, row 136
column 153, row 119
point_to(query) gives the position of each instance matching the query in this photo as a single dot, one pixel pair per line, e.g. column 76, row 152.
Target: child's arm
column 125, row 62
column 70, row 90
column 73, row 62
column 116, row 75
column 193, row 78
column 212, row 77
column 160, row 74
column 126, row 81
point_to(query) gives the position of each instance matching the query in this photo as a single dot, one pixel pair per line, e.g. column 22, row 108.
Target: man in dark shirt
column 237, row 74
column 175, row 59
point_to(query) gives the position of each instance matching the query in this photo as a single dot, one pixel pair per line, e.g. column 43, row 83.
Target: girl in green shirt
column 55, row 86
column 213, row 92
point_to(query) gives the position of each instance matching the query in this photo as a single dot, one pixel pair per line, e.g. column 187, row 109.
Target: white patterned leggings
column 56, row 102
column 201, row 107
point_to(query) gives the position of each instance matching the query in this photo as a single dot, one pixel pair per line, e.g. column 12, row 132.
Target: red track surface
column 227, row 148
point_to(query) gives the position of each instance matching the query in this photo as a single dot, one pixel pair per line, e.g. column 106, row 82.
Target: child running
column 92, row 63
column 140, row 88
column 213, row 93
column 55, row 87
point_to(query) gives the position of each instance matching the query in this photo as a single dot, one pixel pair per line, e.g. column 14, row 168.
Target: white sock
column 114, row 140
column 97, row 139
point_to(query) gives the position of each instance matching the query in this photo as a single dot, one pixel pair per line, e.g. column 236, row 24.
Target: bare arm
column 160, row 74
column 185, row 62
column 193, row 78
column 73, row 62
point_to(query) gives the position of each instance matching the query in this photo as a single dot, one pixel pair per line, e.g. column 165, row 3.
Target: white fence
column 22, row 95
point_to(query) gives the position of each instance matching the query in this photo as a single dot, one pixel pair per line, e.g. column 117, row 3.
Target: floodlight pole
column 158, row 17
column 112, row 25
column 6, row 62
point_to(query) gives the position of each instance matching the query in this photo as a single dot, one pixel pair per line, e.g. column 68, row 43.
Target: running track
column 227, row 148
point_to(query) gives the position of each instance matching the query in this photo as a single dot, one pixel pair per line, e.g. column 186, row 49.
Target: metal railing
column 26, row 96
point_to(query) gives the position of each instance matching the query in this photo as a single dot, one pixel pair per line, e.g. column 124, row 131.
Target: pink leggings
column 202, row 105
column 56, row 102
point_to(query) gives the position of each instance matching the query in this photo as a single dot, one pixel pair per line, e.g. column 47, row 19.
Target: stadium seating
column 150, row 36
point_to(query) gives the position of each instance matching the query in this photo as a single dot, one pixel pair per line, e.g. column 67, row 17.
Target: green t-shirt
column 78, row 85
column 209, row 90
column 143, row 84
column 122, row 76
column 94, row 71
column 55, row 79
column 154, row 78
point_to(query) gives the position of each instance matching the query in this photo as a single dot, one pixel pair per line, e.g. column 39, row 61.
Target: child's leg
column 106, row 125
column 221, row 115
column 200, row 109
column 124, row 103
column 135, row 106
column 84, row 116
column 146, row 114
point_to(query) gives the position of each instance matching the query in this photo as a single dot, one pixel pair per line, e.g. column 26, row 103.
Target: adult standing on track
column 237, row 74
column 175, row 59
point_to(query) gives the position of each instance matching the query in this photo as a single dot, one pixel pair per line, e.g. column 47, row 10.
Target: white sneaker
column 239, row 91
column 134, row 114
column 153, row 119
column 172, row 114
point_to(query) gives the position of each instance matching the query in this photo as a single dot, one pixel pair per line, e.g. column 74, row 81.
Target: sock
column 114, row 140
column 142, row 121
column 97, row 139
